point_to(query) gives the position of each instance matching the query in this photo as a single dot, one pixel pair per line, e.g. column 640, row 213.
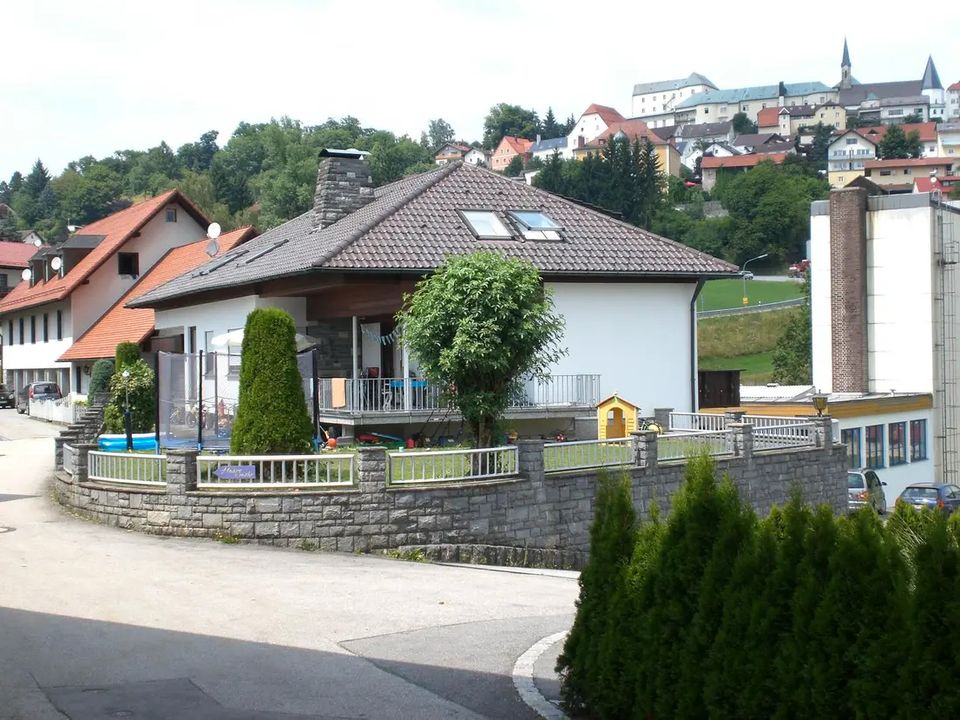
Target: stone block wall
column 532, row 518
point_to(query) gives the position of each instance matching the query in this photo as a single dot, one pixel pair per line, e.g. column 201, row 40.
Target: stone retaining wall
column 533, row 518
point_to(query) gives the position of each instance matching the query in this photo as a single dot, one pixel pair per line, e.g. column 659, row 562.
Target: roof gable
column 15, row 254
column 633, row 129
column 116, row 229
column 414, row 224
column 608, row 114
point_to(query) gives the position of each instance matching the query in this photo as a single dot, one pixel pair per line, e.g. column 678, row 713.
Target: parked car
column 864, row 487
column 746, row 274
column 928, row 495
column 8, row 398
column 799, row 269
column 37, row 391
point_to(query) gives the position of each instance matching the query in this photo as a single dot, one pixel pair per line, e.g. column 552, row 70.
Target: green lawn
column 757, row 367
column 721, row 294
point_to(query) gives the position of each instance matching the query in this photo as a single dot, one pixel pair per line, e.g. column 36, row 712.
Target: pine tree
column 36, row 181
column 550, row 128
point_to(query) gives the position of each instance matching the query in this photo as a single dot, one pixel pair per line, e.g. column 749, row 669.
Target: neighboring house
column 342, row 273
column 125, row 324
column 722, row 105
column 690, row 139
column 450, row 153
column 942, row 183
column 633, row 130
column 952, row 102
column 655, row 101
column 926, row 133
column 789, row 121
column 948, row 139
column 14, row 259
column 846, row 156
column 477, row 156
column 72, row 285
column 593, row 121
column 886, row 321
column 751, row 142
column 897, row 176
column 691, row 152
column 544, row 149
column 507, row 150
column 31, row 237
column 712, row 167
column 892, row 111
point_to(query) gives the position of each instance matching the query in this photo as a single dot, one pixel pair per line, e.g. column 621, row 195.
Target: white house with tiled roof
column 341, row 270
column 72, row 285
column 591, row 124
column 655, row 102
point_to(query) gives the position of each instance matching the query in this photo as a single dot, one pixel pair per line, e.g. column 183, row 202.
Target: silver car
column 865, row 488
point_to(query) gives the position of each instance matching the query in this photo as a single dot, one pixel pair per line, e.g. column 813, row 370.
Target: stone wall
column 533, row 518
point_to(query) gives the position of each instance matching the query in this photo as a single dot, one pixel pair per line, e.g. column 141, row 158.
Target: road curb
column 525, row 685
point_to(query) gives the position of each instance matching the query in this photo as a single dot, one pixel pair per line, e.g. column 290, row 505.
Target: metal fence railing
column 773, row 437
column 275, row 471
column 435, row 466
column 705, row 422
column 585, row 454
column 69, row 459
column 680, row 446
column 127, row 468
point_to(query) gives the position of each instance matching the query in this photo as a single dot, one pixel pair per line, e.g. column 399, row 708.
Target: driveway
column 97, row 622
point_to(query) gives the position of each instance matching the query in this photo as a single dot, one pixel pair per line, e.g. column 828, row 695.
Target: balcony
column 398, row 398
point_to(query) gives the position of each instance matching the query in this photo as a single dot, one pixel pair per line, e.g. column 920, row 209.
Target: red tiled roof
column 927, row 131
column 116, row 230
column 739, row 161
column 768, row 117
column 122, row 324
column 633, row 129
column 955, row 86
column 608, row 114
column 926, row 184
column 15, row 254
column 518, row 144
column 910, row 162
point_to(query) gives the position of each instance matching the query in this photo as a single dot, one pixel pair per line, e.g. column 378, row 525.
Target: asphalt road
column 97, row 622
column 14, row 426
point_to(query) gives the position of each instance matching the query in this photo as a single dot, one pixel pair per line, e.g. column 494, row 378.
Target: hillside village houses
column 14, row 259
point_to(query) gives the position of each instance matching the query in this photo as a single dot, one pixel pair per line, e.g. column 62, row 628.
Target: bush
column 140, row 389
column 127, row 353
column 272, row 411
column 800, row 615
column 100, row 377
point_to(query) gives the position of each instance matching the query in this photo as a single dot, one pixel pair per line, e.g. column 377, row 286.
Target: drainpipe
column 694, row 400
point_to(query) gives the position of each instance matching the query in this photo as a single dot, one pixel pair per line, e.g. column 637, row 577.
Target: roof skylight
column 536, row 225
column 486, row 225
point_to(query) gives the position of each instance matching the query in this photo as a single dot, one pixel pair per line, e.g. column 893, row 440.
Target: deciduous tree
column 505, row 119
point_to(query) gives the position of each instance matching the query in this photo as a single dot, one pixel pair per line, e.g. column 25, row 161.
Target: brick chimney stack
column 848, row 283
column 343, row 186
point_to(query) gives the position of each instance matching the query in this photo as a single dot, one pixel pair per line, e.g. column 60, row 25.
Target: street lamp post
column 743, row 275
column 127, row 418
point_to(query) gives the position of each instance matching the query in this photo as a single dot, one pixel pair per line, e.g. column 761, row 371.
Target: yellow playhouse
column 616, row 418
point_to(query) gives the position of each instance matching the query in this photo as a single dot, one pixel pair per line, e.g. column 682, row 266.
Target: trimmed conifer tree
column 127, row 353
column 272, row 411
column 100, row 377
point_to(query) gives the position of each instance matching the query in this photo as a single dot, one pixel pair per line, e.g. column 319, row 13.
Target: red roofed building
column 899, row 175
column 73, row 284
column 14, row 258
column 508, row 149
column 926, row 131
column 634, row 130
column 713, row 166
column 124, row 324
column 593, row 121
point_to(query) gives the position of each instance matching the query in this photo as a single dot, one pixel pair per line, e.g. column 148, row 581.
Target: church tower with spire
column 846, row 79
column 932, row 89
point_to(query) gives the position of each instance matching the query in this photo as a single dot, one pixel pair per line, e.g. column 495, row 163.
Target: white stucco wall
column 19, row 355
column 589, row 126
column 897, row 477
column 635, row 335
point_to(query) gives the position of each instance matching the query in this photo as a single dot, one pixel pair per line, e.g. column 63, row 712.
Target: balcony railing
column 399, row 395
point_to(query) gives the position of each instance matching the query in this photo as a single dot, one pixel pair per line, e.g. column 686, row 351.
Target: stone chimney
column 343, row 186
column 848, row 284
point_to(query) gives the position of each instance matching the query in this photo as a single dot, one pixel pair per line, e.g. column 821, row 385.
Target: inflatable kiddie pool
column 118, row 443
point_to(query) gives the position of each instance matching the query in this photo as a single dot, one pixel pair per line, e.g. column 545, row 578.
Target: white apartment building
column 654, row 102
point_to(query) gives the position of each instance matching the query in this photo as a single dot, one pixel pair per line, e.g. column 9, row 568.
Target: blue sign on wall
column 236, row 472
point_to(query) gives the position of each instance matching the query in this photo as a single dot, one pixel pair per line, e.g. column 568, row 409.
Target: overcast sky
column 89, row 78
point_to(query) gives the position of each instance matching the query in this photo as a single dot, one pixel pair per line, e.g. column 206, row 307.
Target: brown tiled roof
column 633, row 129
column 910, row 162
column 15, row 254
column 413, row 225
column 124, row 324
column 116, row 229
column 739, row 161
column 927, row 131
column 768, row 117
column 519, row 145
column 607, row 113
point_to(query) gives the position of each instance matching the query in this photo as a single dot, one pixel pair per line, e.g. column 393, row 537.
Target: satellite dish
column 38, row 242
column 213, row 231
column 213, row 247
column 56, row 263
column 26, row 275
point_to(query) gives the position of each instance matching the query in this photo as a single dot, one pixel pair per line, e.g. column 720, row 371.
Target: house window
column 897, row 434
column 3, row 281
column 10, row 332
column 46, row 327
column 886, row 172
column 192, row 339
column 59, row 324
column 851, row 141
column 171, row 214
column 128, row 264
column 536, row 225
column 22, row 336
column 851, row 439
column 485, row 224
column 233, row 354
column 874, row 442
column 918, row 440
column 33, row 328
column 211, row 357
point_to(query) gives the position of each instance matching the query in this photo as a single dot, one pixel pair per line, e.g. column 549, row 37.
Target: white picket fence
column 126, row 468
column 275, row 471
column 63, row 411
column 436, row 466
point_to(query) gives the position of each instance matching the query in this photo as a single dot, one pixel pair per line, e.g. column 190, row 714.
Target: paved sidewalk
column 95, row 620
